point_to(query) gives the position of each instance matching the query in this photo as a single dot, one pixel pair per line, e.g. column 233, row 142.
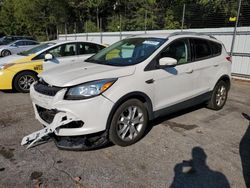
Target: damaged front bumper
column 39, row 135
column 74, row 121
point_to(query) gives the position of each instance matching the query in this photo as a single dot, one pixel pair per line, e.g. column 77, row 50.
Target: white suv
column 114, row 94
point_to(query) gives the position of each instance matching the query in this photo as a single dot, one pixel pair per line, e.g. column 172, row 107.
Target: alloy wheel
column 130, row 123
column 25, row 81
column 221, row 95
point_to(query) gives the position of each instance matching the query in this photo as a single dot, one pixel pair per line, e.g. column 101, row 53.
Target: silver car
column 17, row 47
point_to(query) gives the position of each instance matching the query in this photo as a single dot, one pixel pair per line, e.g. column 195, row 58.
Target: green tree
column 8, row 23
column 170, row 21
column 90, row 27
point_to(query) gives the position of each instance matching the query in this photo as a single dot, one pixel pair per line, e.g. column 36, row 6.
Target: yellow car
column 19, row 71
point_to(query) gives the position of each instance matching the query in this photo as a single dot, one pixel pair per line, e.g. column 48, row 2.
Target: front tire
column 23, row 81
column 128, row 123
column 5, row 53
column 219, row 96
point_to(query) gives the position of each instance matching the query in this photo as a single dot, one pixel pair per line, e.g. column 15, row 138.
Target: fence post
column 120, row 27
column 145, row 21
column 57, row 32
column 101, row 29
column 75, row 31
column 235, row 29
column 183, row 17
column 86, row 31
column 65, row 29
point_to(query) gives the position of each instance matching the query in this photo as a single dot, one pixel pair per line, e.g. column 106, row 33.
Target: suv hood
column 78, row 73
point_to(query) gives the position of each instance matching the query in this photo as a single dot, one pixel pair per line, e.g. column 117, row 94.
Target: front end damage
column 85, row 142
column 71, row 124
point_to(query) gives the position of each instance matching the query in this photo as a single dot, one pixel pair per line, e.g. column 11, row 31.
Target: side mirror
column 167, row 62
column 14, row 45
column 48, row 57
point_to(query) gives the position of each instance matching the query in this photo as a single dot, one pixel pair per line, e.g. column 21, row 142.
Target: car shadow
column 244, row 151
column 8, row 91
column 195, row 173
column 167, row 117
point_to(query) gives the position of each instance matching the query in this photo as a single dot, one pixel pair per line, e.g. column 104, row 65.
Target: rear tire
column 128, row 123
column 5, row 53
column 23, row 81
column 219, row 96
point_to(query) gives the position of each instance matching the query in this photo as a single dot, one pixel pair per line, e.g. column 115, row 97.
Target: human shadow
column 196, row 174
column 245, row 153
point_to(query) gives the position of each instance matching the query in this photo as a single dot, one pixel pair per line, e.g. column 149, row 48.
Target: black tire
column 22, row 85
column 219, row 96
column 5, row 53
column 124, row 123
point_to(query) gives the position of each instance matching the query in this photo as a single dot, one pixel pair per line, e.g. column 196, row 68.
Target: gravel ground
column 195, row 148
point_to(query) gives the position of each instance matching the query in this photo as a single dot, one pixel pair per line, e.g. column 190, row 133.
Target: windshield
column 127, row 52
column 37, row 49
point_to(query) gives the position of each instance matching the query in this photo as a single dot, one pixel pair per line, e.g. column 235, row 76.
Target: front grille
column 44, row 88
column 45, row 114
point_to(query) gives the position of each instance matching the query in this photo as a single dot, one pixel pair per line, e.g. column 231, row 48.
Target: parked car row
column 14, row 44
column 112, row 95
column 9, row 39
column 20, row 71
column 17, row 47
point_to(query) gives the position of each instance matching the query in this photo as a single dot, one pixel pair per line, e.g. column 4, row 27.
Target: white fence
column 241, row 52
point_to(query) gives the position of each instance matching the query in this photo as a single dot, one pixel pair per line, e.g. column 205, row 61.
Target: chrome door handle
column 189, row 71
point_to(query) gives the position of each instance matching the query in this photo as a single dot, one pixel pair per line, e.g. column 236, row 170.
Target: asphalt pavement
column 195, row 148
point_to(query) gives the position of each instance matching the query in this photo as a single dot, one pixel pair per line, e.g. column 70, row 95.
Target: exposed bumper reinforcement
column 34, row 137
column 83, row 142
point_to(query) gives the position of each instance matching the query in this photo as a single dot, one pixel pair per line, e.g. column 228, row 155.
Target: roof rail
column 190, row 33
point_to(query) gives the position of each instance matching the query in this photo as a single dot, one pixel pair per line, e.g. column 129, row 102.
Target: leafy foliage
column 43, row 19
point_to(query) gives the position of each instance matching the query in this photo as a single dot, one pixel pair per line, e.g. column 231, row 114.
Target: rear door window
column 88, row 48
column 31, row 43
column 63, row 50
column 20, row 43
column 202, row 49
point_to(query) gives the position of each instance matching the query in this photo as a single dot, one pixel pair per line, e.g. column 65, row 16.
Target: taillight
column 229, row 58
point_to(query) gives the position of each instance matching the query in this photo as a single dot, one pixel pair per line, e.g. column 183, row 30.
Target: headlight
column 88, row 90
column 5, row 66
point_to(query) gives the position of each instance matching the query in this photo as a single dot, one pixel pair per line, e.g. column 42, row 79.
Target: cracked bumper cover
column 92, row 112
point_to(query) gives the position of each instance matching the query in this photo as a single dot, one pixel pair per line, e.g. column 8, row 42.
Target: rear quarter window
column 202, row 49
column 216, row 48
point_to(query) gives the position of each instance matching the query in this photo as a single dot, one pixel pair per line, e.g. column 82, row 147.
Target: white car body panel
column 70, row 75
column 69, row 60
